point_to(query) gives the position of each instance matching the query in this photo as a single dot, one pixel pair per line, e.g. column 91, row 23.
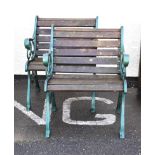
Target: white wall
column 111, row 15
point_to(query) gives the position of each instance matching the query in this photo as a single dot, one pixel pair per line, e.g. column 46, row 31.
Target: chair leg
column 93, row 104
column 36, row 80
column 54, row 107
column 119, row 102
column 122, row 117
column 48, row 115
column 28, row 101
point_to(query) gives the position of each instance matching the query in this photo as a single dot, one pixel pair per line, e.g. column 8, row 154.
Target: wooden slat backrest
column 84, row 51
column 44, row 28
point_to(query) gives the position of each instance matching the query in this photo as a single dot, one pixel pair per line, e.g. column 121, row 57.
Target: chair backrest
column 43, row 28
column 85, row 50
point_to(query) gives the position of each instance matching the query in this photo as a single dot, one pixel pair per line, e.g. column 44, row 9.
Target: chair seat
column 85, row 83
column 37, row 64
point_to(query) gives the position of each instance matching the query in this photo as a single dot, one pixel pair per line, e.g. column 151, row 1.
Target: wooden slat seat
column 85, row 83
column 37, row 64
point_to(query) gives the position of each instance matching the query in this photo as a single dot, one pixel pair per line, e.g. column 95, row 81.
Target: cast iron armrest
column 123, row 64
column 29, row 45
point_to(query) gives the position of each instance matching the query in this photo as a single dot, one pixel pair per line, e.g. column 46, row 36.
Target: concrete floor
column 69, row 139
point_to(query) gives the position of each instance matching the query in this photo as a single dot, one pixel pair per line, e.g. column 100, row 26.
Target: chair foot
column 28, row 108
column 122, row 135
column 47, row 134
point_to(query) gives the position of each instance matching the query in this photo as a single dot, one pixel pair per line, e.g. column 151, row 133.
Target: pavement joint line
column 30, row 114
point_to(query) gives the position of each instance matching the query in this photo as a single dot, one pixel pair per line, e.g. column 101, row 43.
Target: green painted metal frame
column 93, row 102
column 48, row 60
column 124, row 61
column 30, row 45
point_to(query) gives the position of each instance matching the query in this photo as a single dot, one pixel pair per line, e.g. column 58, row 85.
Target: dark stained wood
column 109, row 86
column 86, row 76
column 81, row 43
column 37, row 64
column 82, row 52
column 78, row 34
column 61, row 22
column 37, row 67
column 84, row 60
column 85, row 69
column 70, row 81
column 47, row 31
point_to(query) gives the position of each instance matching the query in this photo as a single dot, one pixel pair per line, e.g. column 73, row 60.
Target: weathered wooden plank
column 37, row 64
column 85, row 69
column 47, row 31
column 84, row 76
column 70, row 81
column 78, row 34
column 70, row 22
column 84, row 60
column 37, row 67
column 104, row 87
column 81, row 43
column 82, row 52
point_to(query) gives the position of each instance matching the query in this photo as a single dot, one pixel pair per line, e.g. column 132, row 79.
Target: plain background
column 138, row 11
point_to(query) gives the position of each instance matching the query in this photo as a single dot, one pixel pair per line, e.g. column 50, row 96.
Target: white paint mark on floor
column 107, row 119
column 30, row 114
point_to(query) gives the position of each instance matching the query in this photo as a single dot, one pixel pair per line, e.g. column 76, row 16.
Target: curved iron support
column 29, row 45
column 124, row 61
column 48, row 60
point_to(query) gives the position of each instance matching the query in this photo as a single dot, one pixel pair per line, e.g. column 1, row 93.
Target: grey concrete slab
column 74, row 139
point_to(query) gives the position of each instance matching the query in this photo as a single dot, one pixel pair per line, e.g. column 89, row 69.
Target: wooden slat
column 81, row 43
column 82, row 52
column 37, row 67
column 78, row 34
column 81, row 81
column 84, row 76
column 47, row 31
column 84, row 60
column 37, row 64
column 93, row 87
column 85, row 69
column 70, row 22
